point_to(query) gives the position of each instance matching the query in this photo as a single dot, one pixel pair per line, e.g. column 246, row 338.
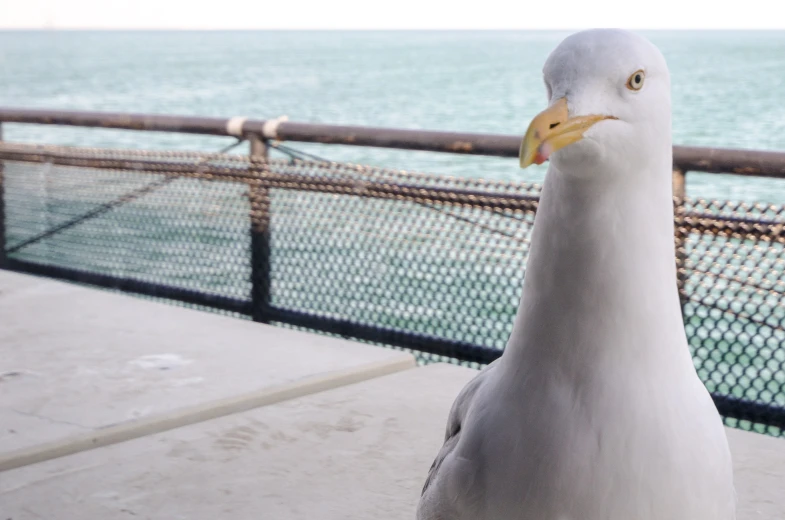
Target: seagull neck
column 601, row 274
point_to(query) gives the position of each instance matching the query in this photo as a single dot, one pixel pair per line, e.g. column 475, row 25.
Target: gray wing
column 432, row 500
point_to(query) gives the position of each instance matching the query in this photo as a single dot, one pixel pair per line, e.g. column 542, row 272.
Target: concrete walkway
column 342, row 449
column 80, row 368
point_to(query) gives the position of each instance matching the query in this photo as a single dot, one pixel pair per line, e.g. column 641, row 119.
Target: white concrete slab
column 356, row 452
column 81, row 368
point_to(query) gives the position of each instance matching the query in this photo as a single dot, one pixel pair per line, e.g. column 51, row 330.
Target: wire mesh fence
column 734, row 300
column 424, row 262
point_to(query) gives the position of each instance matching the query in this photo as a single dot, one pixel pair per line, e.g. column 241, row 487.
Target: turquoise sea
column 728, row 88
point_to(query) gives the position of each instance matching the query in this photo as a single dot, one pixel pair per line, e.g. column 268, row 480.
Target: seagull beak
column 551, row 130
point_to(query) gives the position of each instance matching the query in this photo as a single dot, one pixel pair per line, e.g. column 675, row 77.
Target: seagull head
column 608, row 105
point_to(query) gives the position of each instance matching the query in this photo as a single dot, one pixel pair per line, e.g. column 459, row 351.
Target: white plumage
column 594, row 411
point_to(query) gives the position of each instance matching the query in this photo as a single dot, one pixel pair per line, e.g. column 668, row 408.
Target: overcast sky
column 395, row 14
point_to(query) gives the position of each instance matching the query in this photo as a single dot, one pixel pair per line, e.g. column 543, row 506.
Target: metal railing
column 685, row 158
column 482, row 205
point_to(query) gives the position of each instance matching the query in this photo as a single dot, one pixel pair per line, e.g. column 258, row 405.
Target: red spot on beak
column 543, row 153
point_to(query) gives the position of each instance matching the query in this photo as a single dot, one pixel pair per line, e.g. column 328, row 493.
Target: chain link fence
column 423, row 262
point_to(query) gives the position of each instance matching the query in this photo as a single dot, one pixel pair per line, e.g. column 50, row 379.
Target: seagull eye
column 636, row 80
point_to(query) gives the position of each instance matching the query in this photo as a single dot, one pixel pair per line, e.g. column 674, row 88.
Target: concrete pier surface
column 82, row 367
column 354, row 447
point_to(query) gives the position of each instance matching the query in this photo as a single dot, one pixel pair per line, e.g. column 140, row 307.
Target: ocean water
column 728, row 89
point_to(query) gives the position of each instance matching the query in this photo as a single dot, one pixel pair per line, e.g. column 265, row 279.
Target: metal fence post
column 259, row 197
column 3, row 246
column 680, row 232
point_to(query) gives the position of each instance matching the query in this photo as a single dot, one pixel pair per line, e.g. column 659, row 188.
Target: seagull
column 594, row 411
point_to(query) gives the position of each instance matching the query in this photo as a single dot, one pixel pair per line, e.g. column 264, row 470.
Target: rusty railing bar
column 260, row 230
column 359, row 187
column 685, row 158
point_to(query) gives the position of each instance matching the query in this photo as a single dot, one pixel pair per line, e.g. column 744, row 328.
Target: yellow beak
column 551, row 130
